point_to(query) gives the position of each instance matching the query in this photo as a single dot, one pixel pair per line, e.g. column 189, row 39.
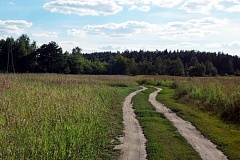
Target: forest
column 24, row 56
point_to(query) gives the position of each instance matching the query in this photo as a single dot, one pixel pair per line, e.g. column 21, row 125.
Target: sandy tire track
column 206, row 149
column 133, row 145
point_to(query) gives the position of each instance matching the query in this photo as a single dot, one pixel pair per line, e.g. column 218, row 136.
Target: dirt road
column 206, row 149
column 133, row 143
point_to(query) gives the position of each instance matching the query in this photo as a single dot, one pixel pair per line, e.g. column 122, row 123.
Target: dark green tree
column 99, row 67
column 76, row 51
column 210, row 69
column 178, row 67
column 197, row 70
column 131, row 67
column 50, row 58
column 230, row 68
column 158, row 65
column 186, row 70
column 3, row 55
column 193, row 61
column 118, row 65
column 22, row 50
column 76, row 64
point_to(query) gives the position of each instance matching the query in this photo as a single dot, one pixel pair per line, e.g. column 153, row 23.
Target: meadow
column 220, row 95
column 54, row 116
column 211, row 104
column 46, row 116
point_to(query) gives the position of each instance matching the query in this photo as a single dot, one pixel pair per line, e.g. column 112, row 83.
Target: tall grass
column 58, row 116
column 158, row 82
column 218, row 95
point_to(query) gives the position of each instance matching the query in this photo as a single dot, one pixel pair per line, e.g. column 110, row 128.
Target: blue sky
column 103, row 25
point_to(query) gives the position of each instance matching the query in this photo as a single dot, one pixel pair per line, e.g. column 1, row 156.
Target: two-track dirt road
column 133, row 142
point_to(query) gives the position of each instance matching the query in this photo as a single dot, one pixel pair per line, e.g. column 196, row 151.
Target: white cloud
column 46, row 34
column 234, row 43
column 10, row 27
column 203, row 6
column 125, row 29
column 165, row 3
column 133, row 7
column 192, row 28
column 104, row 7
column 84, row 7
column 68, row 45
column 185, row 45
column 142, row 8
column 17, row 23
column 76, row 33
column 229, row 45
column 159, row 3
column 112, row 47
column 228, row 5
column 214, row 45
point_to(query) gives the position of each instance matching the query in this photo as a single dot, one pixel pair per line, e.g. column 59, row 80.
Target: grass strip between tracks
column 225, row 135
column 163, row 141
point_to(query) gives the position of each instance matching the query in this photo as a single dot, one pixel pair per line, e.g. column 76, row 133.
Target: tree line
column 23, row 56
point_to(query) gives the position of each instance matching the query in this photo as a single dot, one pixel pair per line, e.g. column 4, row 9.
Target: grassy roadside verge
column 225, row 136
column 163, row 142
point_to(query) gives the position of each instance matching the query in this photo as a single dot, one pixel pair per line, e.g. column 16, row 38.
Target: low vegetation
column 225, row 135
column 163, row 141
column 221, row 96
column 59, row 116
column 211, row 104
column 53, row 116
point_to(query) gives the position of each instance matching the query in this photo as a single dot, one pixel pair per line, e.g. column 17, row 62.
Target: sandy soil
column 206, row 149
column 133, row 143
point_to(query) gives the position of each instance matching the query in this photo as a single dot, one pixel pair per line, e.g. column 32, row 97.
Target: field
column 218, row 95
column 60, row 116
column 52, row 116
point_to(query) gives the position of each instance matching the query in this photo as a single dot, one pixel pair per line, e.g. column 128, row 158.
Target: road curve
column 133, row 145
column 206, row 149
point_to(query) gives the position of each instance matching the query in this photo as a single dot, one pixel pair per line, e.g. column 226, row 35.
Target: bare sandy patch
column 133, row 145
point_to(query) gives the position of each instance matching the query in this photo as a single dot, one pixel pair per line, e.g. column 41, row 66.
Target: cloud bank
column 13, row 27
column 110, row 7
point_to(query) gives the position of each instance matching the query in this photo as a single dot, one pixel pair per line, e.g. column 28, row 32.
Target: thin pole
column 8, row 56
column 12, row 60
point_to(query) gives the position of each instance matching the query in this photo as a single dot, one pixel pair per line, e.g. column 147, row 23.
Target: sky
column 118, row 25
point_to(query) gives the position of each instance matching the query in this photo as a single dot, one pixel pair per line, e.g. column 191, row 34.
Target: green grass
column 225, row 135
column 219, row 95
column 60, row 116
column 163, row 141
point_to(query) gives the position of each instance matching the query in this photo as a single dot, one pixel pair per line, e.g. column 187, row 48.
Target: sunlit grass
column 219, row 95
column 59, row 116
column 225, row 135
column 163, row 140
